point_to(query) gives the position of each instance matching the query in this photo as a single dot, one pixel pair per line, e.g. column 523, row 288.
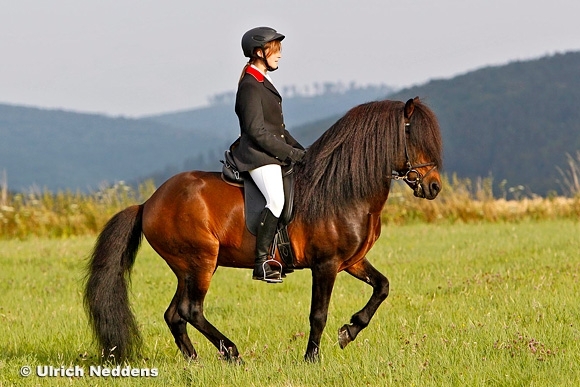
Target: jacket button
column 282, row 136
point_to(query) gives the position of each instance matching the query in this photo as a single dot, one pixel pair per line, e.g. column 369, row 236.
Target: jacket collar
column 255, row 73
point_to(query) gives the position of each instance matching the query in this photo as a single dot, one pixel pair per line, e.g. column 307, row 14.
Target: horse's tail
column 106, row 297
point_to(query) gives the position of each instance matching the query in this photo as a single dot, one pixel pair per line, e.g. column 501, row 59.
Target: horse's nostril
column 435, row 188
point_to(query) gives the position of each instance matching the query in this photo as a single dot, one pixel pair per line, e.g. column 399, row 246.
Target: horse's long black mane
column 353, row 160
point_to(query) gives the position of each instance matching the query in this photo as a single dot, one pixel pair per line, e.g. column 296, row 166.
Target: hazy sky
column 137, row 57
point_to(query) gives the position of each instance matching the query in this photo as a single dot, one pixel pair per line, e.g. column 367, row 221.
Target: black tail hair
column 106, row 296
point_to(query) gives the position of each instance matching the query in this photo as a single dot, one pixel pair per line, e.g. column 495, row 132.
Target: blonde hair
column 270, row 48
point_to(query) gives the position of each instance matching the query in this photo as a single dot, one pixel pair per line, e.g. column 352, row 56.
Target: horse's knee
column 382, row 289
column 362, row 319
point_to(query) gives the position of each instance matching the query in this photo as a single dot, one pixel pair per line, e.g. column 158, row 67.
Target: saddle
column 254, row 203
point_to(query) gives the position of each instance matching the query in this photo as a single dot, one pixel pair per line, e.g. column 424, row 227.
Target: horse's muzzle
column 427, row 190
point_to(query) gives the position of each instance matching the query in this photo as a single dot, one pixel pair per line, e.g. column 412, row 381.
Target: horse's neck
column 377, row 203
column 373, row 205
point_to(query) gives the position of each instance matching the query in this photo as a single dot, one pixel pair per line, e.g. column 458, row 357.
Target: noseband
column 411, row 175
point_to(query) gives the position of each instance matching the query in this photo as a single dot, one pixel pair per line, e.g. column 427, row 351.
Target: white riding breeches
column 268, row 178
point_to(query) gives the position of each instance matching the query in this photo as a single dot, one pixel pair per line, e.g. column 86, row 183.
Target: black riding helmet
column 257, row 38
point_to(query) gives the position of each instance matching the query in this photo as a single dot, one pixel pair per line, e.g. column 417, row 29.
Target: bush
column 462, row 201
column 64, row 214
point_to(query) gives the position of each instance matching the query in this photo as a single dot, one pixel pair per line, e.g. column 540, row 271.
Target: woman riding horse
column 265, row 144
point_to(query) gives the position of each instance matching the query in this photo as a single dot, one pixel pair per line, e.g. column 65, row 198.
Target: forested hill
column 514, row 123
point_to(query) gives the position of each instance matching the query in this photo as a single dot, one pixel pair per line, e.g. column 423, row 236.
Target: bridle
column 411, row 175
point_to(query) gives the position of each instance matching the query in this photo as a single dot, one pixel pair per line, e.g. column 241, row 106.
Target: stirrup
column 274, row 270
column 275, row 280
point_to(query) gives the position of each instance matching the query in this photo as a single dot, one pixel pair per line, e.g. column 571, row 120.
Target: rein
column 411, row 175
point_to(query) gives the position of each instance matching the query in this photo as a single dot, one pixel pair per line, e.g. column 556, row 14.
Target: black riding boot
column 264, row 238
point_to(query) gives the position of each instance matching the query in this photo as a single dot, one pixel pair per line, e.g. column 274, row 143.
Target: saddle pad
column 254, row 202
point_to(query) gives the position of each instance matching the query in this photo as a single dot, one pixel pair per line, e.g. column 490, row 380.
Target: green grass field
column 489, row 304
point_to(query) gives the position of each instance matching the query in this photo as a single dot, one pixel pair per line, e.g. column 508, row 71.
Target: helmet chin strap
column 263, row 58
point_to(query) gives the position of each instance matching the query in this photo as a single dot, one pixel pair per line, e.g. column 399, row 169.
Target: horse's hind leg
column 178, row 326
column 364, row 271
column 190, row 308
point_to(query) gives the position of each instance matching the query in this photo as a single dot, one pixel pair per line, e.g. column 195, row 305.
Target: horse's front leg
column 323, row 278
column 364, row 271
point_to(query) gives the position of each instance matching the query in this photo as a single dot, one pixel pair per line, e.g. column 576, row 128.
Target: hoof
column 188, row 354
column 230, row 359
column 235, row 360
column 343, row 337
column 190, row 358
column 231, row 355
column 312, row 356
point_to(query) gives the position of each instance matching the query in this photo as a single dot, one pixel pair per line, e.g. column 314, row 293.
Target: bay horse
column 195, row 222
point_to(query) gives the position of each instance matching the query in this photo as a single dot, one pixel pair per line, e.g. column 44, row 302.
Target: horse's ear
column 409, row 108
